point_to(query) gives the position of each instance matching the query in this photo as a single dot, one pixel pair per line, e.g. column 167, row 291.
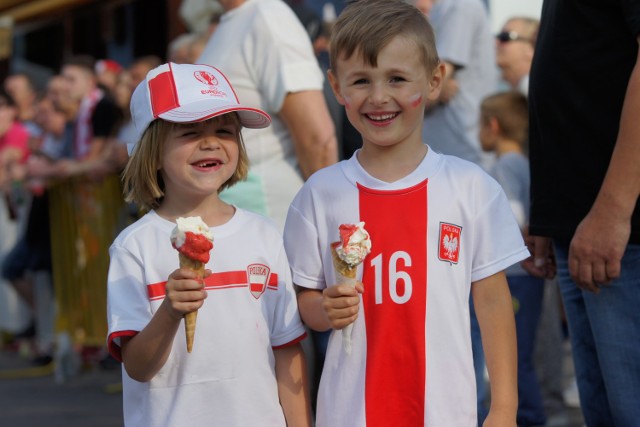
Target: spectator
column 179, row 49
column 14, row 147
column 95, row 120
column 140, row 67
column 504, row 125
column 107, row 71
column 514, row 51
column 585, row 182
column 32, row 252
column 274, row 67
column 24, row 91
column 467, row 49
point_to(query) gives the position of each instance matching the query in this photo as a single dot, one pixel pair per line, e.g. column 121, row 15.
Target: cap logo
column 210, row 80
column 206, row 78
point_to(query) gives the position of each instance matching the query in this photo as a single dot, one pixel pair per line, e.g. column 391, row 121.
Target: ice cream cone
column 342, row 267
column 346, row 275
column 190, row 318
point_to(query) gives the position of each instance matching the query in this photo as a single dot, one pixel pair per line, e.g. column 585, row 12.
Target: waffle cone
column 342, row 267
column 346, row 275
column 190, row 318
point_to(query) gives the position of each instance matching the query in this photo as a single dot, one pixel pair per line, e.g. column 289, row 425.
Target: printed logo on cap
column 211, row 82
column 206, row 78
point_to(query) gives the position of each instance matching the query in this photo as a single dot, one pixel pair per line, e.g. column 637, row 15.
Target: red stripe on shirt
column 221, row 280
column 394, row 301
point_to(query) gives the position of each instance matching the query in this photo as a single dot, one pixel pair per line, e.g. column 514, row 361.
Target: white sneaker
column 571, row 395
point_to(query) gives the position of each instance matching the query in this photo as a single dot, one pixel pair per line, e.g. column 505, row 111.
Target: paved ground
column 32, row 397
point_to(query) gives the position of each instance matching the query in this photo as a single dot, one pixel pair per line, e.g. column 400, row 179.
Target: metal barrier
column 85, row 218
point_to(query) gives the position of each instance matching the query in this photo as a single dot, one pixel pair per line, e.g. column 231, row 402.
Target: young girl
column 247, row 366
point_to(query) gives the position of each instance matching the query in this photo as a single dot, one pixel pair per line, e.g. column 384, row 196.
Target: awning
column 26, row 10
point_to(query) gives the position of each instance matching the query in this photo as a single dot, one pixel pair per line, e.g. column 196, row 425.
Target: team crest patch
column 449, row 246
column 258, row 275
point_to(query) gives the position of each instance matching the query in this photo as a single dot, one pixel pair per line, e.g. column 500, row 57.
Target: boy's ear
column 335, row 86
column 494, row 125
column 436, row 81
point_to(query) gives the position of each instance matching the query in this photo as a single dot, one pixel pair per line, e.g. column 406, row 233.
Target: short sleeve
column 286, row 327
column 128, row 308
column 454, row 26
column 301, row 242
column 283, row 55
column 498, row 241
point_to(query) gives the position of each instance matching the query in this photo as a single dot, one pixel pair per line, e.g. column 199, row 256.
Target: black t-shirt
column 584, row 56
column 105, row 117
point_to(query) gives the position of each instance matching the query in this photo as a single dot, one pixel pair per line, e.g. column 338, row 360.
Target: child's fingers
column 359, row 287
column 341, row 290
column 342, row 318
column 186, row 273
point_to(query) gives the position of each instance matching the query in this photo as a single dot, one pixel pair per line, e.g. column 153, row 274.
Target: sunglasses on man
column 511, row 36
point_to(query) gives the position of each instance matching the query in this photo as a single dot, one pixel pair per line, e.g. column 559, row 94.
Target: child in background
column 504, row 125
column 440, row 229
column 247, row 366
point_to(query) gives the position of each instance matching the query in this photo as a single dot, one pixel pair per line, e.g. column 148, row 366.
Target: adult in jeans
column 585, row 150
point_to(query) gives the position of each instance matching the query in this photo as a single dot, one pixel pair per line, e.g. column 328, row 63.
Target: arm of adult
column 494, row 309
column 600, row 240
column 292, row 385
column 144, row 354
column 334, row 307
column 307, row 117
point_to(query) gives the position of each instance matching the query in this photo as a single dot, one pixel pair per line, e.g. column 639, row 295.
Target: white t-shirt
column 229, row 378
column 433, row 233
column 264, row 50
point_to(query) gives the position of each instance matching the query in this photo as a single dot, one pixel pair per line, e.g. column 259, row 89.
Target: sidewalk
column 32, row 397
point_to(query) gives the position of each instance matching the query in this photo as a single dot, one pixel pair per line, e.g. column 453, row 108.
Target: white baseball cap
column 186, row 93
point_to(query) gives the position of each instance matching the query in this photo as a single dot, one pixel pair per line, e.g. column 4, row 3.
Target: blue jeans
column 527, row 293
column 482, row 386
column 604, row 329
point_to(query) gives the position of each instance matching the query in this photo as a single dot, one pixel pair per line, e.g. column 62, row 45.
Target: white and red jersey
column 433, row 233
column 229, row 378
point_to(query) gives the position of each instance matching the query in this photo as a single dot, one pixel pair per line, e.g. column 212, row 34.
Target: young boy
column 504, row 125
column 440, row 228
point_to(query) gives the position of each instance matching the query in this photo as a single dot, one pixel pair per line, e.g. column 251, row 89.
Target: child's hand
column 341, row 303
column 185, row 293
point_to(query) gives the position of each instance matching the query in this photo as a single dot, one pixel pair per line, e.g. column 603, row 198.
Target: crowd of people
column 340, row 122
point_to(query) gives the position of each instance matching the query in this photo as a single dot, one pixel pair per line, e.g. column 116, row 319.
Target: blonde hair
column 143, row 184
column 365, row 27
column 511, row 111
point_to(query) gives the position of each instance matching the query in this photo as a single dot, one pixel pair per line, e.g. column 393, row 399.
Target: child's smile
column 200, row 157
column 386, row 102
